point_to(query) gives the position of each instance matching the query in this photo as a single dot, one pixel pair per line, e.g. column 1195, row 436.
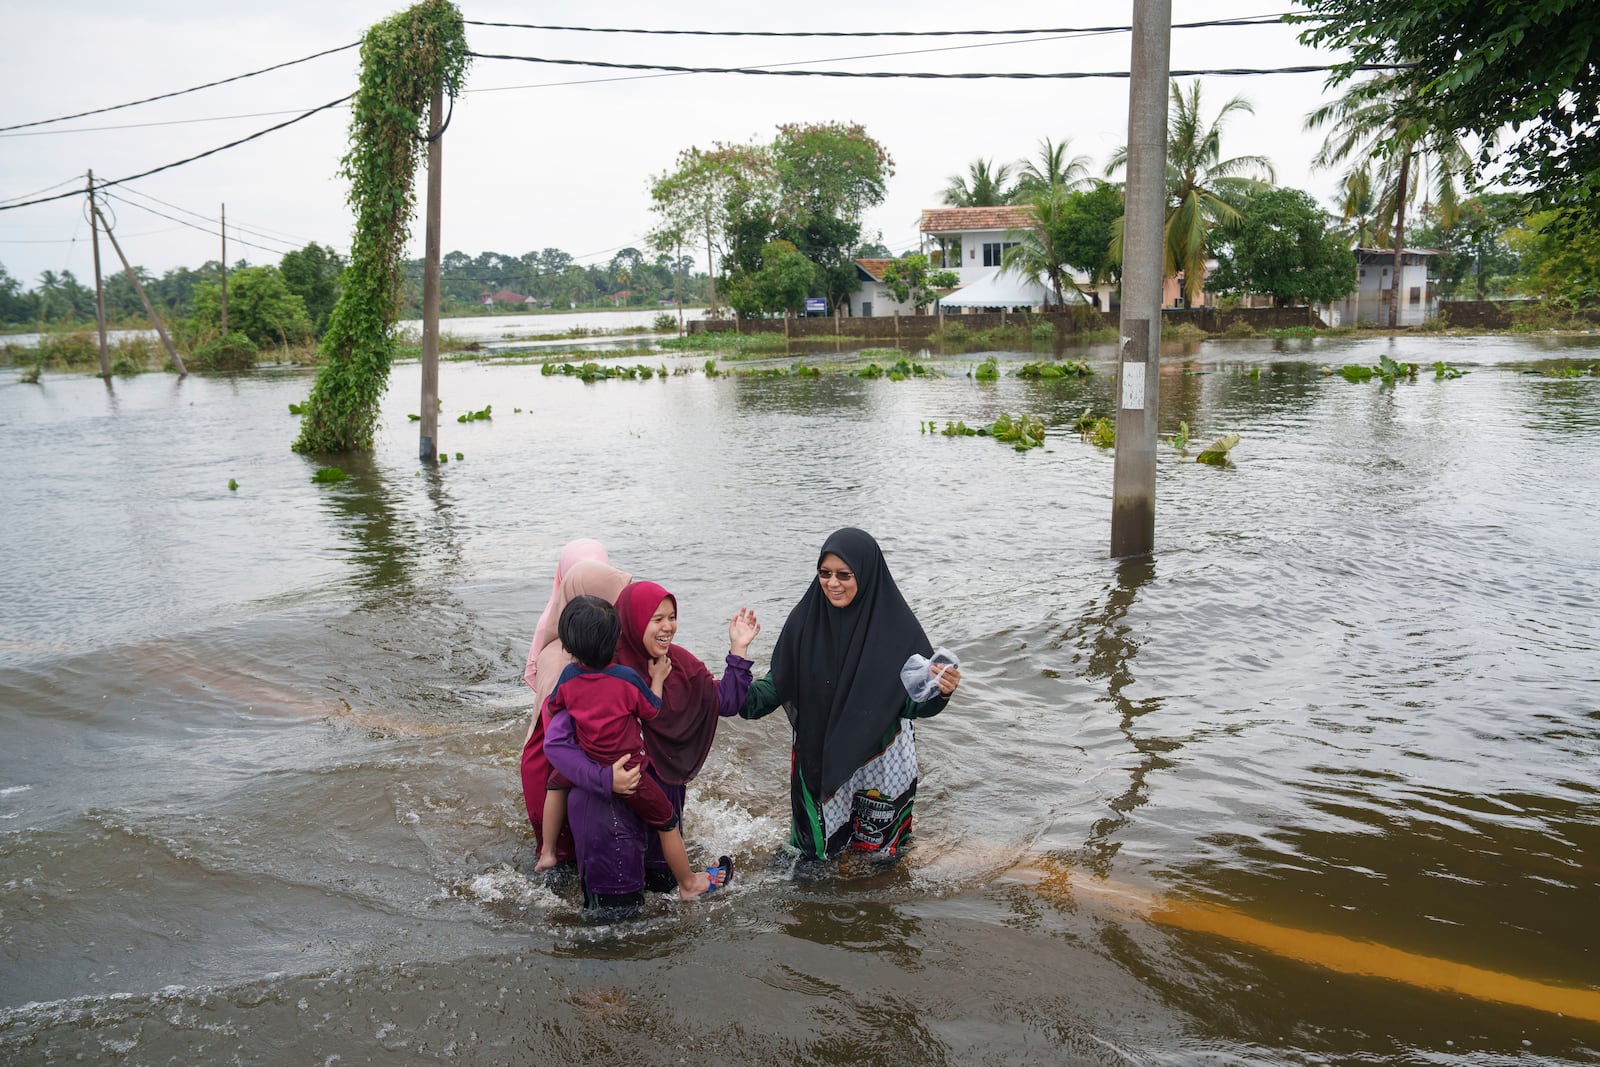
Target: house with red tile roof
column 504, row 296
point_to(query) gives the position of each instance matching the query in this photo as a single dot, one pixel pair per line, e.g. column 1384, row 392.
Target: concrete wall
column 902, row 327
column 1497, row 314
column 1212, row 320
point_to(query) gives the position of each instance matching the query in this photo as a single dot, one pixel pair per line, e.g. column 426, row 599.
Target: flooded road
column 1316, row 783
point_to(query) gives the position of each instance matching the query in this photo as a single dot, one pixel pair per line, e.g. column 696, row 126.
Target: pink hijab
column 587, row 577
column 585, row 548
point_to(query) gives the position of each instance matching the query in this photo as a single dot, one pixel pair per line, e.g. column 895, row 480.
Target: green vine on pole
column 405, row 60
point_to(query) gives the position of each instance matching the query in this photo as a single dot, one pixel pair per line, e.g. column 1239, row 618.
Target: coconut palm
column 1204, row 191
column 1369, row 123
column 1036, row 252
column 1359, row 207
column 1051, row 168
column 984, row 185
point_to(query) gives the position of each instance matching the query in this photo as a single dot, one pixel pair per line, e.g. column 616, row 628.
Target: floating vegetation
column 906, row 369
column 879, row 353
column 1085, row 421
column 1255, row 374
column 594, row 372
column 300, row 409
column 1354, row 372
column 1216, row 453
column 477, row 416
column 329, row 475
column 460, row 456
column 871, row 370
column 232, row 485
column 1292, row 331
column 1102, row 433
column 1441, row 369
column 1180, row 440
column 1022, row 432
column 987, row 371
column 1072, row 368
column 1570, row 371
column 444, row 457
column 1390, row 370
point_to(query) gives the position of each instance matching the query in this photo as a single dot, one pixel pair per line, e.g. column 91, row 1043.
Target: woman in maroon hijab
column 692, row 701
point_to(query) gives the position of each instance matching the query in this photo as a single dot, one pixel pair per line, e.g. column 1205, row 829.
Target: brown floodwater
column 1314, row 783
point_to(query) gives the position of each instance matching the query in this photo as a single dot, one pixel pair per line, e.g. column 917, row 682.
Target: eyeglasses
column 824, row 574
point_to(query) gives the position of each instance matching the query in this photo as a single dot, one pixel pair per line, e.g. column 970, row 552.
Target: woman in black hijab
column 836, row 671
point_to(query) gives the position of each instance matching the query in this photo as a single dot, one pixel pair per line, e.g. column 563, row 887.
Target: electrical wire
column 191, row 225
column 934, row 75
column 46, row 189
column 280, row 237
column 147, row 125
column 181, row 92
column 190, row 159
column 1244, row 20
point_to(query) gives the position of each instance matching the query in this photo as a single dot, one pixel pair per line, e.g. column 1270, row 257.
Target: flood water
column 1315, row 783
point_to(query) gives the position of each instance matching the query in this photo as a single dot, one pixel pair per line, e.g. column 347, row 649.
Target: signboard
column 816, row 305
column 1133, row 386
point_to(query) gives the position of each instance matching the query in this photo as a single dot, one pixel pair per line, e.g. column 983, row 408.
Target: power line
column 280, row 237
column 190, row 159
column 190, row 225
column 146, row 125
column 935, row 75
column 181, row 92
column 1248, row 20
column 46, row 189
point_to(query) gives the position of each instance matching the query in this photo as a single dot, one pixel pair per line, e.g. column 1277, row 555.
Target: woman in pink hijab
column 582, row 570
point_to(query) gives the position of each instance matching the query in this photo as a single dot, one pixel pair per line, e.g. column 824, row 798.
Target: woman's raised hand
column 742, row 629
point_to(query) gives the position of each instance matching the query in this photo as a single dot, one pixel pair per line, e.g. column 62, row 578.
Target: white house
column 1370, row 301
column 972, row 241
column 871, row 298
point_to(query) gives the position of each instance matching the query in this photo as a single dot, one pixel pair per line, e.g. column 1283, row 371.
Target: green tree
column 910, row 278
column 1358, row 208
column 1285, row 246
column 1089, row 226
column 1473, row 248
column 1559, row 256
column 1050, row 169
column 15, row 305
column 1037, row 252
column 779, row 284
column 260, row 306
column 1205, row 192
column 312, row 273
column 701, row 199
column 1369, row 122
column 828, row 175
column 984, row 185
column 1479, row 69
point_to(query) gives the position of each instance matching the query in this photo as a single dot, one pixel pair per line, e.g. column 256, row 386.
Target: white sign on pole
column 1133, row 386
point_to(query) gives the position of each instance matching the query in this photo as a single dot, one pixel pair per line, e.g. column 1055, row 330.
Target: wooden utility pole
column 99, row 289
column 428, row 441
column 149, row 309
column 1133, row 494
column 224, row 270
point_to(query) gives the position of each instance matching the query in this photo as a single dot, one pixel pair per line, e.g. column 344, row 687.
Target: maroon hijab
column 679, row 739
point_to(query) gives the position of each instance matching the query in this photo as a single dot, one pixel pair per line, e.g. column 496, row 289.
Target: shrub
column 233, row 352
column 665, row 322
column 1239, row 328
column 1043, row 332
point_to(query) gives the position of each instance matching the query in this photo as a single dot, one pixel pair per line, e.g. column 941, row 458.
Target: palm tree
column 984, row 185
column 1052, row 168
column 1204, row 191
column 1036, row 251
column 1368, row 123
column 1359, row 206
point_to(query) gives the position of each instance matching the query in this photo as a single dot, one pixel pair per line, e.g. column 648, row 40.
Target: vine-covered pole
column 407, row 61
column 428, row 442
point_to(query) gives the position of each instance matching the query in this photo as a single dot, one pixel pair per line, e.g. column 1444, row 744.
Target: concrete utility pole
column 99, row 290
column 428, row 441
column 1133, row 493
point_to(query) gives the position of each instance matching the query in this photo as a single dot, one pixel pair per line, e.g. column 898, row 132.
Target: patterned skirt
column 869, row 813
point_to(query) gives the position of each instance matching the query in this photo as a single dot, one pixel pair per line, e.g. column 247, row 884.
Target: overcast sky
column 543, row 156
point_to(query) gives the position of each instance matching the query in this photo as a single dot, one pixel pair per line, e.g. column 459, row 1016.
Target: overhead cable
column 935, row 75
column 190, row 225
column 23, row 196
column 282, row 238
column 190, row 159
column 1248, row 20
column 180, row 92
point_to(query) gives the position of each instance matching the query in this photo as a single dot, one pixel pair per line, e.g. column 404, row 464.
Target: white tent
column 1005, row 289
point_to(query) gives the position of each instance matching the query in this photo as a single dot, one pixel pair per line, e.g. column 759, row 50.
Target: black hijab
column 838, row 669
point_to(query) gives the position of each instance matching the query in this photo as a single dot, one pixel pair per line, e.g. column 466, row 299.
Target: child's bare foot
column 547, row 861
column 699, row 885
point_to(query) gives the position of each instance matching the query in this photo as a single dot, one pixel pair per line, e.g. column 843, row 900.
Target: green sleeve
column 926, row 709
column 762, row 699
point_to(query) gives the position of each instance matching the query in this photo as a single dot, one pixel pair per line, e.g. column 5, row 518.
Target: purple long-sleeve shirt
column 609, row 839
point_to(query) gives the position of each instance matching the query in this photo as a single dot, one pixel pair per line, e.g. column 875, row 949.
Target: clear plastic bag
column 920, row 674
